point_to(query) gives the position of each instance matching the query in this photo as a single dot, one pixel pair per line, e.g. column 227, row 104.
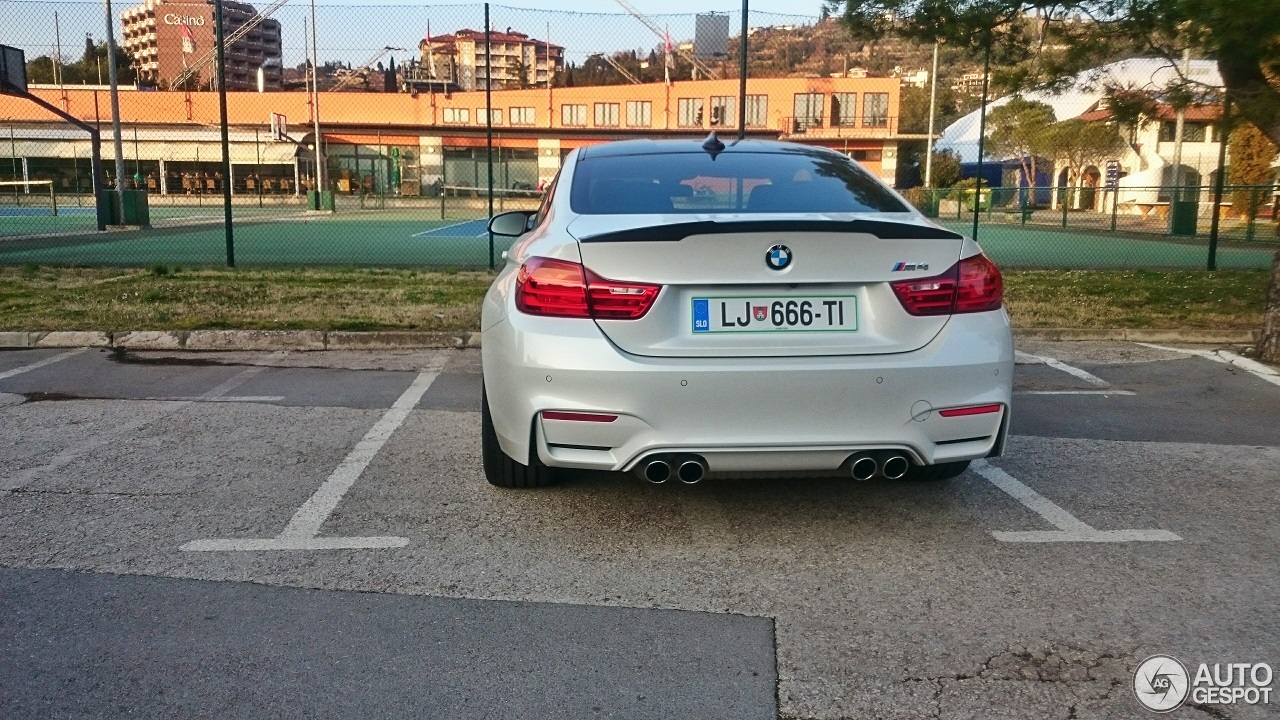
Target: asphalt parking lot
column 310, row 535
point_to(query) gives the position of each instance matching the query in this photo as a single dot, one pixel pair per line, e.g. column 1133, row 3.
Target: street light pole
column 115, row 100
column 933, row 104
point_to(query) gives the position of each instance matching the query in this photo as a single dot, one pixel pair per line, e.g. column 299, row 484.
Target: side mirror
column 510, row 224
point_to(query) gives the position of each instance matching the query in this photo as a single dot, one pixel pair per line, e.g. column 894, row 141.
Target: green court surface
column 382, row 239
column 286, row 236
column 1031, row 247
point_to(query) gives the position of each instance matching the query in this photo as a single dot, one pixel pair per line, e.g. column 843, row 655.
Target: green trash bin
column 106, row 206
column 1182, row 218
column 134, row 209
column 320, row 200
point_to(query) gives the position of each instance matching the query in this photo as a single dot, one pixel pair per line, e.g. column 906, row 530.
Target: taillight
column 981, row 287
column 558, row 288
column 554, row 288
column 971, row 285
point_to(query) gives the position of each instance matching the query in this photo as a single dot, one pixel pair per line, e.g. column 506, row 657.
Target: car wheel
column 499, row 468
column 936, row 473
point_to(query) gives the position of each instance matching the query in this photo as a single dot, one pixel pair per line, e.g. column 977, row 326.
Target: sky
column 352, row 31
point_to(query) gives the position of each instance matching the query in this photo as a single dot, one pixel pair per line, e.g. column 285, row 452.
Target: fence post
column 488, row 114
column 1064, row 204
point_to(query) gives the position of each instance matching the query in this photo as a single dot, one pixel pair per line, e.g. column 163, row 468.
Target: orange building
column 406, row 144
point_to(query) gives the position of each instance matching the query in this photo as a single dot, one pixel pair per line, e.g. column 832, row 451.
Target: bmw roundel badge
column 778, row 257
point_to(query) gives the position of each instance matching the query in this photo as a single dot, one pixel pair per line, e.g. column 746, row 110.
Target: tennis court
column 381, row 238
column 417, row 237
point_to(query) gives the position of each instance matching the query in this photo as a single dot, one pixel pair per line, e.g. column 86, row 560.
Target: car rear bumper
column 744, row 414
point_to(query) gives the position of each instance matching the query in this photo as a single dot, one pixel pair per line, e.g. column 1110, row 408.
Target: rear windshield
column 768, row 182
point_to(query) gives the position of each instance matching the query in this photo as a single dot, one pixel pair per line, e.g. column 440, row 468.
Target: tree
column 1020, row 128
column 1080, row 143
column 946, row 169
column 1074, row 35
column 85, row 70
column 1251, row 156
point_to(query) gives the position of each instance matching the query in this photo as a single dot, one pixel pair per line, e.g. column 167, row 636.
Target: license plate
column 823, row 313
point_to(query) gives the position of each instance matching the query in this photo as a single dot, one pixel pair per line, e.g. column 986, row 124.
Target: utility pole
column 315, row 107
column 488, row 117
column 57, row 53
column 742, row 77
column 1179, row 124
column 982, row 139
column 115, row 104
column 933, row 104
column 221, row 69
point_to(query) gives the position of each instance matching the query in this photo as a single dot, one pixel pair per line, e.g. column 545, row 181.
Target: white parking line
column 41, row 363
column 1070, row 528
column 224, row 399
column 1075, row 392
column 1084, row 375
column 71, row 454
column 1253, row 367
column 301, row 532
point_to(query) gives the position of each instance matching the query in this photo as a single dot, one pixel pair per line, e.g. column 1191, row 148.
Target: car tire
column 936, row 473
column 499, row 469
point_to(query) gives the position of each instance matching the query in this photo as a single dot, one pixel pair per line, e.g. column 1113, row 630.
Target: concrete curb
column 241, row 340
column 1196, row 337
column 271, row 340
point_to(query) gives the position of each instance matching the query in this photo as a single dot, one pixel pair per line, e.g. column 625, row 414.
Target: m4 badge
column 906, row 266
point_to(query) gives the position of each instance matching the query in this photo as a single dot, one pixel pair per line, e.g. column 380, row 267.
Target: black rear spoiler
column 678, row 231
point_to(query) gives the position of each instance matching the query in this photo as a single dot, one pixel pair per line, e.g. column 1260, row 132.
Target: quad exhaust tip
column 657, row 471
column 894, row 467
column 688, row 469
column 692, row 471
column 888, row 465
column 863, row 468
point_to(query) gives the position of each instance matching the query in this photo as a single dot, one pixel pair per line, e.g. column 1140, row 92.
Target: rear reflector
column 578, row 416
column 971, row 285
column 971, row 410
column 559, row 288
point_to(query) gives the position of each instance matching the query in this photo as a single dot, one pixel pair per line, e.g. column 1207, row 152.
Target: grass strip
column 167, row 298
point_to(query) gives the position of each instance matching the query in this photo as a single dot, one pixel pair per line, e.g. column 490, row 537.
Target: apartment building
column 167, row 40
column 517, row 60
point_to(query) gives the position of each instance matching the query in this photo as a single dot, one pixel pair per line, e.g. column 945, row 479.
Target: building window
column 457, row 116
column 757, row 110
column 724, row 111
column 808, row 110
column 521, row 116
column 639, row 113
column 689, row 112
column 1191, row 131
column 606, row 114
column 844, row 109
column 875, row 110
column 573, row 115
column 497, row 116
column 864, row 155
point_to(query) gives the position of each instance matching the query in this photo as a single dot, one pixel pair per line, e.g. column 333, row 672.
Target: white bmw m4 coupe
column 680, row 309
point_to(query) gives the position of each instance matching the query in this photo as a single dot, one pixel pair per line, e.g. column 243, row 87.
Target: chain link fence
column 386, row 135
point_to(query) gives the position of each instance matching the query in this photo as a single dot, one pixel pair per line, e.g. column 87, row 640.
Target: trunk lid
column 715, row 270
